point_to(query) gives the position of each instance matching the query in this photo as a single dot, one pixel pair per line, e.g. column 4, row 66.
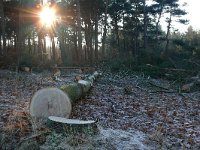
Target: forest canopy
column 80, row 32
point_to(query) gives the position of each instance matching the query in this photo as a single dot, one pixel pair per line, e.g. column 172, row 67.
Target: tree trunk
column 76, row 54
column 79, row 31
column 34, row 44
column 145, row 24
column 136, row 33
column 15, row 42
column 55, row 102
column 117, row 32
column 39, row 50
column 87, row 43
column 105, row 29
column 19, row 36
column 45, row 46
column 124, row 37
column 53, row 48
column 96, row 32
column 90, row 32
column 158, row 21
column 2, row 19
column 62, row 45
column 1, row 53
column 88, row 39
column 165, row 52
column 29, row 44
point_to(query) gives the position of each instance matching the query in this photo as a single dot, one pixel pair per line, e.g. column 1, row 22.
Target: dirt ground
column 133, row 112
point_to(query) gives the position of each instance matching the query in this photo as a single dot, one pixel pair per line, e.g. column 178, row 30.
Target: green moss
column 74, row 91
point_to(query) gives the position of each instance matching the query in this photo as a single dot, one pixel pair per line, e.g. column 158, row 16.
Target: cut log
column 79, row 69
column 50, row 101
column 56, row 72
column 64, row 125
column 58, row 102
column 77, row 78
column 24, row 69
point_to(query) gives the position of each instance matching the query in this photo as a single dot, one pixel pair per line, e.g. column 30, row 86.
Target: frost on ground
column 106, row 139
column 133, row 111
column 125, row 140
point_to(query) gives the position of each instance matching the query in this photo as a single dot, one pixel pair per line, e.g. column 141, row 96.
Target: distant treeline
column 89, row 31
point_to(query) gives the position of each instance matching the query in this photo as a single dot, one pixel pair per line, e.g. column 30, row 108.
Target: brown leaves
column 150, row 112
column 190, row 141
column 174, row 113
column 18, row 123
column 164, row 116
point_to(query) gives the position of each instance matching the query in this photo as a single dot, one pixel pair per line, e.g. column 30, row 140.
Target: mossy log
column 58, row 102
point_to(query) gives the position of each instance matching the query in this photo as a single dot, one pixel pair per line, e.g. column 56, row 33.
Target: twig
column 158, row 86
column 137, row 86
column 187, row 96
column 164, row 91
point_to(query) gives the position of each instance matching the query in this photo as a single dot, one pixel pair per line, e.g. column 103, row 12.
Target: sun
column 47, row 17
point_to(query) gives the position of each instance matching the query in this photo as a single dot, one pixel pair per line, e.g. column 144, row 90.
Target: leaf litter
column 131, row 112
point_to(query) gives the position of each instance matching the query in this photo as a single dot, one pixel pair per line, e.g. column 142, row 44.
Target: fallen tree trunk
column 58, row 102
column 79, row 69
column 170, row 69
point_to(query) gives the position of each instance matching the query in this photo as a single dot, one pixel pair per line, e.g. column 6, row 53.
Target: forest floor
column 133, row 111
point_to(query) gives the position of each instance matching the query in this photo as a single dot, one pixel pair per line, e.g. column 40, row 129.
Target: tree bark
column 105, row 29
column 76, row 55
column 117, row 32
column 29, row 44
column 88, row 38
column 145, row 24
column 39, row 48
column 90, row 32
column 58, row 102
column 165, row 52
column 53, row 48
column 158, row 21
column 79, row 31
column 96, row 32
column 3, row 51
column 136, row 34
column 19, row 35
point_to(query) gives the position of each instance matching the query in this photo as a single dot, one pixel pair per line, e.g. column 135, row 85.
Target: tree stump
column 72, row 126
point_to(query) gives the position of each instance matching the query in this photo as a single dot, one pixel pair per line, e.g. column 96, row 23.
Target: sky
column 193, row 9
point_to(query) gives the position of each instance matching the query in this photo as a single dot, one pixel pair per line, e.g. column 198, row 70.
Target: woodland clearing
column 132, row 111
